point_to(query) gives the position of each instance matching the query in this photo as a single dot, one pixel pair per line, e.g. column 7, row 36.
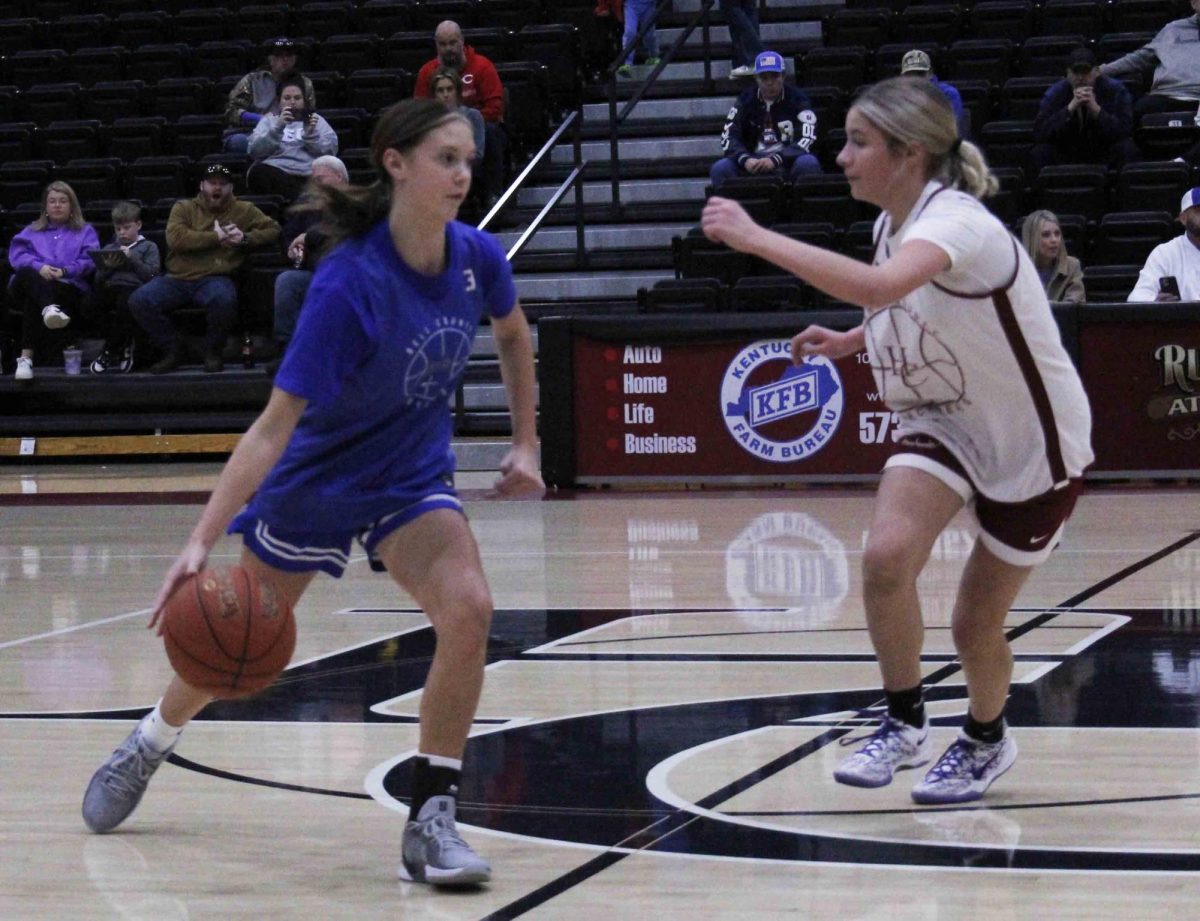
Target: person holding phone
column 1172, row 270
column 284, row 146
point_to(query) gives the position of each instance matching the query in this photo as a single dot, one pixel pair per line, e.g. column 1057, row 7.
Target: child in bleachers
column 130, row 262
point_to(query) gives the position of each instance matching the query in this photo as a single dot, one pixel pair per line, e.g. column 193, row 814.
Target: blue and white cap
column 1191, row 199
column 768, row 62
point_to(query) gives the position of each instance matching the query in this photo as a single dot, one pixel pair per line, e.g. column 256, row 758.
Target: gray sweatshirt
column 1174, row 56
column 290, row 147
column 144, row 264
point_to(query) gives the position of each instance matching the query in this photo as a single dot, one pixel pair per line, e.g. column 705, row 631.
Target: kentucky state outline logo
column 776, row 410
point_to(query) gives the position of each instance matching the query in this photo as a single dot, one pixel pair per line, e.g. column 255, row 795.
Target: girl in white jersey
column 354, row 445
column 964, row 348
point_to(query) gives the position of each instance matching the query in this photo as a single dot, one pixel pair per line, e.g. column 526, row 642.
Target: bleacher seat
column 1014, row 20
column 98, row 64
column 329, row 86
column 375, row 88
column 348, row 52
column 1109, row 283
column 496, row 43
column 17, row 34
column 260, row 22
column 696, row 256
column 1166, row 135
column 769, row 294
column 1152, row 186
column 1008, row 203
column 9, row 104
column 142, row 27
column 157, row 61
column 1021, row 97
column 869, row 28
column 429, row 13
column 934, row 23
column 988, row 59
column 409, row 50
column 829, row 105
column 79, row 30
column 844, row 67
column 93, row 177
column 1073, row 17
column 1079, row 187
column 527, row 113
column 556, row 46
column 210, row 24
column 196, row 134
column 763, row 197
column 215, row 59
column 70, row 139
column 978, row 99
column 113, row 99
column 815, row 233
column 1006, row 142
column 350, row 123
column 858, row 241
column 33, row 66
column 385, row 17
column 150, row 179
column 324, row 17
column 1126, row 237
column 683, row 296
column 358, row 164
column 1143, row 15
column 1113, row 45
column 22, row 181
column 47, row 102
column 135, row 136
column 825, row 197
column 16, row 141
column 172, row 97
column 515, row 14
column 1046, row 55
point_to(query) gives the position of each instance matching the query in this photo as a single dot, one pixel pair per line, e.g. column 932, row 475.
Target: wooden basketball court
column 672, row 677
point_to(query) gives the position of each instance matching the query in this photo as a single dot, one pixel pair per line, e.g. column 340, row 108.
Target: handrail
column 615, row 120
column 527, row 234
column 529, row 168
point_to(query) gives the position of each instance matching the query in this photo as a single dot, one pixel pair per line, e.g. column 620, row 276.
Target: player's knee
column 467, row 617
column 887, row 566
column 973, row 636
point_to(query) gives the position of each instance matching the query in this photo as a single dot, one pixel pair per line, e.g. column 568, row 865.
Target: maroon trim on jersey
column 1004, row 287
column 1033, row 380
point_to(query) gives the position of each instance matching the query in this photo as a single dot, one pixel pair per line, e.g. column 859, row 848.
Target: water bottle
column 247, row 352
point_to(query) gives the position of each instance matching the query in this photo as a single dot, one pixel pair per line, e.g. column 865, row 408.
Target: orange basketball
column 228, row 632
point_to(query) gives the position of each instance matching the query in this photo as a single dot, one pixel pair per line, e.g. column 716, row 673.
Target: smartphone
column 1168, row 284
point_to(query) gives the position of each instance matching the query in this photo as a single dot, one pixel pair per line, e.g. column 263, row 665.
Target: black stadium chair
column 93, row 65
column 16, row 141
column 683, row 296
column 142, row 27
column 154, row 178
column 763, row 197
column 988, row 59
column 325, row 17
column 428, row 13
column 869, row 28
column 214, row 59
column 1081, row 188
column 1109, row 283
column 937, row 23
column 1006, row 142
column 1142, row 15
column 348, row 52
column 33, row 66
column 385, row 17
column 1166, row 135
column 48, row 102
column 196, row 26
column 1154, row 186
column 154, row 62
column 92, row 178
column 844, row 67
column 73, row 139
column 1014, row 20
column 1008, row 203
column 1073, row 17
column 825, row 198
column 22, row 181
column 409, row 50
column 260, row 22
column 80, row 31
column 373, row 89
column 858, row 241
column 1046, row 55
column 1126, row 237
column 139, row 136
column 695, row 256
column 113, row 99
column 759, row 294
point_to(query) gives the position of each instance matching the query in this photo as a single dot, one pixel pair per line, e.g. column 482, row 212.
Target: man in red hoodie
column 481, row 89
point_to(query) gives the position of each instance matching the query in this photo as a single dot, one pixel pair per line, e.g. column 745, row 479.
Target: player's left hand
column 520, row 476
column 725, row 221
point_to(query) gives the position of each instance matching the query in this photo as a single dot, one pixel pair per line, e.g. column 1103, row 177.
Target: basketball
column 228, row 632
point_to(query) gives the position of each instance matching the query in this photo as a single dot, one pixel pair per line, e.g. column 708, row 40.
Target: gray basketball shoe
column 432, row 851
column 966, row 770
column 891, row 747
column 117, row 787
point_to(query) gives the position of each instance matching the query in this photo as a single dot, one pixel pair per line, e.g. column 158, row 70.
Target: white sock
column 455, row 764
column 157, row 732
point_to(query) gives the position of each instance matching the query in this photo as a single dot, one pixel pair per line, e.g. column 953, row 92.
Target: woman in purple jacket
column 51, row 266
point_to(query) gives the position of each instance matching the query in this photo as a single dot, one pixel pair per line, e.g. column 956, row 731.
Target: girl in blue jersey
column 354, row 444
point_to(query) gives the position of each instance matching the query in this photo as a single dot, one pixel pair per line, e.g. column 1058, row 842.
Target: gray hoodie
column 290, row 147
column 144, row 264
column 1174, row 56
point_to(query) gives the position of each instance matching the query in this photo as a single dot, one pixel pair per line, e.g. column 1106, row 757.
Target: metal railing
column 616, row 119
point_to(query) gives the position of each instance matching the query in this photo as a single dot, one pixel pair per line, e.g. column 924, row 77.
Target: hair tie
column 954, row 147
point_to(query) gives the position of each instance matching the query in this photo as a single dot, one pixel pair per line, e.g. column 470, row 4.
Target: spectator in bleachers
column 637, row 12
column 207, row 239
column 481, row 89
column 1173, row 56
column 1061, row 275
column 1084, row 118
column 742, row 17
column 129, row 263
column 52, row 270
column 446, row 88
column 303, row 245
column 257, row 94
column 284, row 146
column 917, row 63
column 1177, row 259
column 771, row 129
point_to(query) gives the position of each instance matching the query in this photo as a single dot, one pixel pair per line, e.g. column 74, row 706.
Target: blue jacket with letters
column 783, row 130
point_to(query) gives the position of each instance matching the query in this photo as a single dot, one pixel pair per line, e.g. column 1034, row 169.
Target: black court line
column 602, row 862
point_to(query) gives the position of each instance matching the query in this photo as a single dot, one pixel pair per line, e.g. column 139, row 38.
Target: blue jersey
column 378, row 353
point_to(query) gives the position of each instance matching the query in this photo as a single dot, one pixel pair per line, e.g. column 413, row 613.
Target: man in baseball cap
column 1172, row 270
column 917, row 64
column 257, row 93
column 771, row 129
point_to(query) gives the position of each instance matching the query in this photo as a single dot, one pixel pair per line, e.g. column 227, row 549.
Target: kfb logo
column 776, row 410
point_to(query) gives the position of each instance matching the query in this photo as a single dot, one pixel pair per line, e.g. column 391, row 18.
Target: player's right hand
column 817, row 340
column 191, row 560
